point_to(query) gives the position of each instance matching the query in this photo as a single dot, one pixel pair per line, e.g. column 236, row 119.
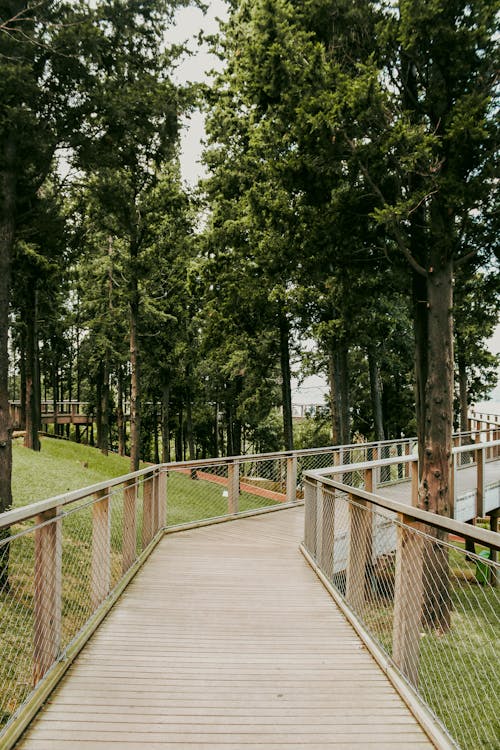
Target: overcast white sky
column 190, row 21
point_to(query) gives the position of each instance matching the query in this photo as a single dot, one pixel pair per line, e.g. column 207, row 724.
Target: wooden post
column 291, row 479
column 129, row 552
column 407, row 465
column 156, row 502
column 162, row 498
column 319, row 521
column 453, row 476
column 147, row 511
column 414, row 483
column 310, row 517
column 47, row 602
column 408, row 598
column 233, row 487
column 359, row 536
column 494, row 526
column 480, row 460
column 101, row 548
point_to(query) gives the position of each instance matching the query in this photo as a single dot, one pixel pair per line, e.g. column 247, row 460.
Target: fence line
column 69, row 557
column 431, row 607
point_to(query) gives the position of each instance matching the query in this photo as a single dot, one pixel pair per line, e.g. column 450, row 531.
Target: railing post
column 310, row 517
column 101, row 548
column 129, row 544
column 480, row 460
column 291, row 479
column 319, row 521
column 148, row 511
column 494, row 526
column 233, row 487
column 453, row 477
column 408, row 598
column 407, row 465
column 414, row 483
column 47, row 593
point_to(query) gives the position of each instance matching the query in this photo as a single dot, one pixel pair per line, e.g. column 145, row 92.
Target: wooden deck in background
column 226, row 639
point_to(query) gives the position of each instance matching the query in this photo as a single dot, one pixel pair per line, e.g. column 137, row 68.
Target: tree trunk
column 435, row 428
column 165, row 428
column 120, row 417
column 333, row 396
column 216, row 431
column 135, row 413
column 189, row 428
column 376, row 395
column 7, row 227
column 33, row 406
column 463, row 391
column 343, row 375
column 286, row 391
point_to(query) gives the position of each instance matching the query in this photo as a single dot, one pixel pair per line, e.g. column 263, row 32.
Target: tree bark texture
column 435, row 428
column 333, row 397
column 376, row 395
column 286, row 390
column 165, row 419
column 33, row 396
column 135, row 412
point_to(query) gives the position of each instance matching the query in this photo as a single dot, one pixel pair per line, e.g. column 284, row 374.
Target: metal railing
column 428, row 609
column 65, row 560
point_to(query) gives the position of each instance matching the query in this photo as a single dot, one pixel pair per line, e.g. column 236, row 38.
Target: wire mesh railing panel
column 458, row 673
column 57, row 570
column 200, row 492
column 16, row 621
column 75, row 548
column 432, row 606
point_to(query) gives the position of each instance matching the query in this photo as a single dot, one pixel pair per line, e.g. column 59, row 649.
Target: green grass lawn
column 59, row 467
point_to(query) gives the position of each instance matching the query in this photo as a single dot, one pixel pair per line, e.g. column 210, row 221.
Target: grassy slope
column 60, row 466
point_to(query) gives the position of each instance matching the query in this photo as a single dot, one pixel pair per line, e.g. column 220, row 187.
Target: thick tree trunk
column 376, row 395
column 286, row 390
column 165, row 428
column 463, row 393
column 7, row 226
column 435, row 428
column 33, row 406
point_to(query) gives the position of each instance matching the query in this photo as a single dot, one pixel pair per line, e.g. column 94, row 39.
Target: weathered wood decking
column 226, row 639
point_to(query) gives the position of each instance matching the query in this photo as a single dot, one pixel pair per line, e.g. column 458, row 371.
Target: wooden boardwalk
column 226, row 639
